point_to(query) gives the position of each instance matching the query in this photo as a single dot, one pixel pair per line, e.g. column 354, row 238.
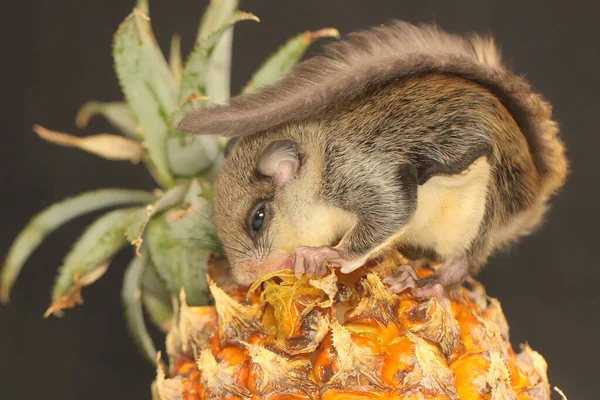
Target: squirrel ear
column 229, row 146
column 280, row 161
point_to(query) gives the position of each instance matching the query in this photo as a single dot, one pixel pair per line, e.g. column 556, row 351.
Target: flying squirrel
column 401, row 135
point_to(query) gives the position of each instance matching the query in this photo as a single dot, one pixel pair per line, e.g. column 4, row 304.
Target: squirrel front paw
column 313, row 261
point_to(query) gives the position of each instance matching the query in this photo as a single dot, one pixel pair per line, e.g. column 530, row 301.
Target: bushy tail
column 379, row 56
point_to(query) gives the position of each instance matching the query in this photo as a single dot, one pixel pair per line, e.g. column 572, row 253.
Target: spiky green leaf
column 117, row 113
column 285, row 58
column 148, row 86
column 162, row 250
column 45, row 222
column 218, row 83
column 218, row 72
column 99, row 242
column 175, row 61
column 131, row 295
column 216, row 15
column 88, row 259
column 180, row 242
column 142, row 5
column 159, row 311
column 157, row 299
column 194, row 80
column 196, row 232
column 135, row 223
column 191, row 155
column 194, row 279
column 193, row 226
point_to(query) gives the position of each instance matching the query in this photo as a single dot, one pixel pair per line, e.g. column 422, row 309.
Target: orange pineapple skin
column 378, row 345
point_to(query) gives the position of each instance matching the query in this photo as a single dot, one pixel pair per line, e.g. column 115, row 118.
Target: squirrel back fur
column 381, row 56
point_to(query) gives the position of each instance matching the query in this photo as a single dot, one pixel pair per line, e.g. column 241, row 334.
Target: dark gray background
column 56, row 55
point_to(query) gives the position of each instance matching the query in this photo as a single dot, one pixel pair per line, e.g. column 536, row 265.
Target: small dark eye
column 258, row 219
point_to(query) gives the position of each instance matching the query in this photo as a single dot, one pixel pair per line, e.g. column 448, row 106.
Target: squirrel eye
column 258, row 219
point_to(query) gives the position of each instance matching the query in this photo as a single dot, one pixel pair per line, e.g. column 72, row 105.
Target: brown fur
column 377, row 120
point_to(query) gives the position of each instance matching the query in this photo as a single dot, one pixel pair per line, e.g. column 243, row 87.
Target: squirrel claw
column 406, row 278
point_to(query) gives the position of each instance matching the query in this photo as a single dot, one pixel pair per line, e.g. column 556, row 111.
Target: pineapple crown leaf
column 177, row 263
column 148, row 86
column 560, row 392
column 72, row 296
column 98, row 243
column 157, row 299
column 131, row 295
column 194, row 80
column 143, row 7
column 154, row 286
column 159, row 311
column 215, row 15
column 135, row 223
column 105, row 145
column 282, row 61
column 117, row 113
column 58, row 214
column 175, row 60
column 161, row 248
column 219, row 67
column 205, row 72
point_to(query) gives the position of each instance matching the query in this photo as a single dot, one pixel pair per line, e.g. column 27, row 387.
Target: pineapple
column 345, row 337
column 157, row 94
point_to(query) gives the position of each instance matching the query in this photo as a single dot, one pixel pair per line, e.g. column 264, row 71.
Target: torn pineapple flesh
column 346, row 337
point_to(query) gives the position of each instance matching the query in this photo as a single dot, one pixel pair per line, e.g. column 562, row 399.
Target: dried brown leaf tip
column 112, row 147
column 348, row 337
column 73, row 296
column 321, row 33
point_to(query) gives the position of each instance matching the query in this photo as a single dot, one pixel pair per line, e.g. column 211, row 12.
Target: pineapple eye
column 257, row 218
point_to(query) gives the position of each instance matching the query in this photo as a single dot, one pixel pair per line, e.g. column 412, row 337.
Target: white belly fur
column 449, row 211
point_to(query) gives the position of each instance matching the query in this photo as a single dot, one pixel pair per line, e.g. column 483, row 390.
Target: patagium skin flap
column 400, row 135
